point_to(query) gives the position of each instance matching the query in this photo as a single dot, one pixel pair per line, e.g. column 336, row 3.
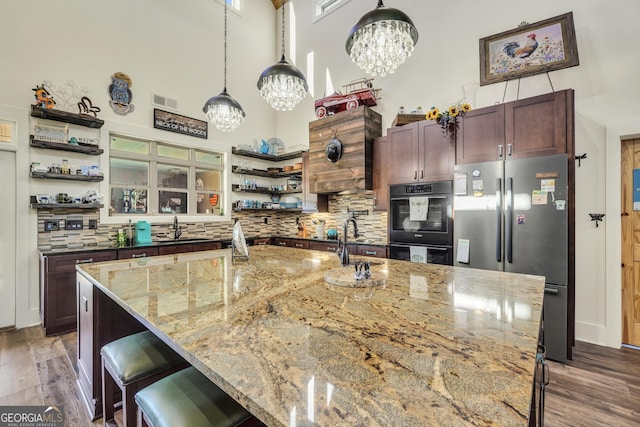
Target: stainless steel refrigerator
column 512, row 216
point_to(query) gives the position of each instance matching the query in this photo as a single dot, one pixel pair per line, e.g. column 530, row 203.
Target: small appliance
column 143, row 233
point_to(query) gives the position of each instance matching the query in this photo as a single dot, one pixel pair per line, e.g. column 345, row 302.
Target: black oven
column 420, row 216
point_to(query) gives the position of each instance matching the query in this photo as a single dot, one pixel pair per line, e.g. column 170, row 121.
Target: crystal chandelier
column 382, row 40
column 222, row 110
column 282, row 84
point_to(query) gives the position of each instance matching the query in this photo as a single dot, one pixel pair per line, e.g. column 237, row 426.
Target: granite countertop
column 430, row 345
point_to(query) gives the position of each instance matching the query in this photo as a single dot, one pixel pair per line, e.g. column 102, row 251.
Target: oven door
column 430, row 224
column 435, row 254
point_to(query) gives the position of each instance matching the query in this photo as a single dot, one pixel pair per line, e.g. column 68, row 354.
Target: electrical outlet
column 93, row 224
column 266, row 220
column 51, row 225
column 73, row 224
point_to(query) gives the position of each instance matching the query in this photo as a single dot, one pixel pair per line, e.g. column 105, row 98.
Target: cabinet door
column 536, row 126
column 324, row 246
column 480, row 135
column 86, row 348
column 174, row 249
column 380, row 185
column 58, row 289
column 403, row 154
column 280, row 241
column 437, row 153
column 262, row 241
column 372, row 250
column 207, row 246
column 137, row 252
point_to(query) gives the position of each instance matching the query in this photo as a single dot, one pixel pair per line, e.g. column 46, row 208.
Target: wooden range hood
column 356, row 129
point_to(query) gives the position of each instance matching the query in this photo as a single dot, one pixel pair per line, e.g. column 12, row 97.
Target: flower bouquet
column 448, row 118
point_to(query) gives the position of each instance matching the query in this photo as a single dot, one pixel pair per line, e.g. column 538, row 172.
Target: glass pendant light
column 382, row 40
column 282, row 84
column 222, row 110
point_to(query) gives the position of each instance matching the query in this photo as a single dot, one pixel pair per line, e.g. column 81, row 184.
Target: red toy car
column 359, row 92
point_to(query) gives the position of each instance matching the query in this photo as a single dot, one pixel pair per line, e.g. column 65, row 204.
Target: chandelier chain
column 225, row 46
column 283, row 8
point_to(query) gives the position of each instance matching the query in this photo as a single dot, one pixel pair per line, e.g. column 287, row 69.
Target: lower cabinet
column 324, row 246
column 58, row 290
column 373, row 250
column 141, row 252
column 291, row 243
column 262, row 241
column 100, row 321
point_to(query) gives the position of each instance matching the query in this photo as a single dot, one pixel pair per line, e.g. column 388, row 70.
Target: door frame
column 27, row 295
column 610, row 334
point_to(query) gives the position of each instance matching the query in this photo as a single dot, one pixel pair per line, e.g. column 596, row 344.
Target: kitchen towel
column 418, row 208
column 418, row 254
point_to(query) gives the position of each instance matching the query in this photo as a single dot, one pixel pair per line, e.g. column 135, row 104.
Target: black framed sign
column 173, row 122
column 529, row 49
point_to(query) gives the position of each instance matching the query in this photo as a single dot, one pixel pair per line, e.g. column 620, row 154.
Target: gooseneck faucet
column 343, row 253
column 176, row 228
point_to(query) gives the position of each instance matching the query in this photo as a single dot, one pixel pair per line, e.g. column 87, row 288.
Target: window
column 155, row 178
column 5, row 131
column 325, row 7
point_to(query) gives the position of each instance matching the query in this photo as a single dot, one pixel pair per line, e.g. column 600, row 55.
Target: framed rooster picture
column 529, row 49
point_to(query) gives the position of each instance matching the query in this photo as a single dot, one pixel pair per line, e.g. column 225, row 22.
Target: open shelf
column 267, row 174
column 270, row 157
column 63, row 146
column 47, row 175
column 268, row 209
column 63, row 116
column 236, row 188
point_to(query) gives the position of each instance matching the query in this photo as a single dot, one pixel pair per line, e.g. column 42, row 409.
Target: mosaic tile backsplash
column 372, row 226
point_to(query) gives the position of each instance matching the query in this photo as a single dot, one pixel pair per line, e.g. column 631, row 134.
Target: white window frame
column 153, row 159
column 325, row 7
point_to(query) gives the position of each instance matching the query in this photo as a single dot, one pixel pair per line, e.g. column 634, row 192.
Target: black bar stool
column 189, row 399
column 132, row 363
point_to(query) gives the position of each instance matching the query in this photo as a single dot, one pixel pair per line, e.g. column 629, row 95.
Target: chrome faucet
column 176, row 228
column 343, row 253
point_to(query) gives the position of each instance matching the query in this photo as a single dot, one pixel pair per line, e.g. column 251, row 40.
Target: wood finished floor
column 599, row 387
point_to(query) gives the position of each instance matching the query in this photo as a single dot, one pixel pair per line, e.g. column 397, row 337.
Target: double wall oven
column 421, row 222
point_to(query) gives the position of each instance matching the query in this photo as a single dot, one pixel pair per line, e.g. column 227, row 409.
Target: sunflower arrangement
column 448, row 117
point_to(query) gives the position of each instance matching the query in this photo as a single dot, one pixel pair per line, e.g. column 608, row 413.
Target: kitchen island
column 427, row 345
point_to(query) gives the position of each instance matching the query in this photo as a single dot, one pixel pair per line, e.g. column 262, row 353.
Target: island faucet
column 343, row 252
column 176, row 228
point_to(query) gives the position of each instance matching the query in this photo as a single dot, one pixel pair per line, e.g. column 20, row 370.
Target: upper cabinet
column 420, row 152
column 532, row 127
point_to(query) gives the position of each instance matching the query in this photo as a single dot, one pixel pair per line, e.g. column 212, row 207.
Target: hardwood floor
column 599, row 387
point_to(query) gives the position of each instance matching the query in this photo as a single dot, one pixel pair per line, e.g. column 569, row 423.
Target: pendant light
column 382, row 40
column 282, row 85
column 222, row 110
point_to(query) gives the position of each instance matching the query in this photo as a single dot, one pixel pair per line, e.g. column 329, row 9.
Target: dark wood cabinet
column 291, row 243
column 380, row 185
column 262, row 241
column 175, row 249
column 420, row 152
column 532, row 127
column 100, row 321
column 372, row 250
column 141, row 252
column 58, row 289
column 324, row 246
column 206, row 246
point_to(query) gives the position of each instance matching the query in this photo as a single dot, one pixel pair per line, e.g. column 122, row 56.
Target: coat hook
column 581, row 157
column 597, row 217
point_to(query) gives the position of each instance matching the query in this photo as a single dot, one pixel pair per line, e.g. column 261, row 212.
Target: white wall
column 606, row 87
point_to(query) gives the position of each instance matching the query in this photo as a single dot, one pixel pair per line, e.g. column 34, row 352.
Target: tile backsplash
column 372, row 226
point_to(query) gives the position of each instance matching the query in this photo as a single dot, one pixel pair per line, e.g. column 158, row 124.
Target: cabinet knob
column 85, row 303
column 84, row 261
column 421, row 173
column 509, row 149
column 143, row 255
column 500, row 150
column 415, row 174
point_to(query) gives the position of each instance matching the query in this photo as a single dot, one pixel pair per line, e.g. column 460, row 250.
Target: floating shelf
column 47, row 175
column 66, row 206
column 84, row 149
column 236, row 188
column 63, row 116
column 268, row 209
column 267, row 174
column 270, row 157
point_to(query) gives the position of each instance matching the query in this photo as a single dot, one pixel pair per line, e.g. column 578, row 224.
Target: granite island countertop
column 433, row 345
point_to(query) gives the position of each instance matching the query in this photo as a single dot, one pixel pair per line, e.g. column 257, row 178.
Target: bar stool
column 189, row 399
column 132, row 363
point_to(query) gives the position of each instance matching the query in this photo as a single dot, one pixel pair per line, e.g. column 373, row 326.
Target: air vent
column 163, row 101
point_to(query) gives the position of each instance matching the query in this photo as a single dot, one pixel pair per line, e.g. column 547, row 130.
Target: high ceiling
column 278, row 3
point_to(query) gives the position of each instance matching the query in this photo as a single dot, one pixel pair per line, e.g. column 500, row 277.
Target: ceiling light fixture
column 282, row 85
column 222, row 110
column 382, row 40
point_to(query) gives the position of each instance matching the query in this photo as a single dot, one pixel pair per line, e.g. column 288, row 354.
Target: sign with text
column 179, row 124
column 31, row 416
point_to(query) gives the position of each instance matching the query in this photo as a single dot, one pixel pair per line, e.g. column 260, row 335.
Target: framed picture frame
column 528, row 50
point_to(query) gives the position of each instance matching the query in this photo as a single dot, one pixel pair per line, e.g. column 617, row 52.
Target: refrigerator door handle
column 508, row 224
column 498, row 219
